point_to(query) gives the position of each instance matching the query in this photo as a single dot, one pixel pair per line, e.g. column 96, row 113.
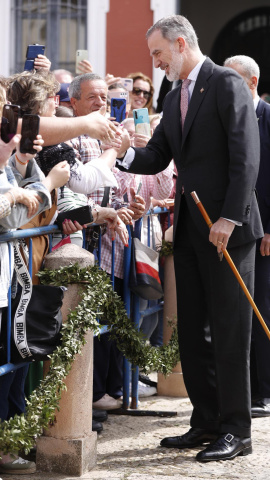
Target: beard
column 175, row 66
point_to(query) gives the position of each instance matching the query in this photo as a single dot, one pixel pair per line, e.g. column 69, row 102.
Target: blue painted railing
column 136, row 313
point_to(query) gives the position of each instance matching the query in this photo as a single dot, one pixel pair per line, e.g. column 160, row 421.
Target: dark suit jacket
column 263, row 181
column 217, row 155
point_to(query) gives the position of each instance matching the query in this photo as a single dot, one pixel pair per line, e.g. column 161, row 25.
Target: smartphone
column 142, row 122
column 127, row 83
column 115, row 93
column 9, row 122
column 30, row 129
column 139, row 188
column 83, row 215
column 32, row 52
column 118, row 109
column 80, row 55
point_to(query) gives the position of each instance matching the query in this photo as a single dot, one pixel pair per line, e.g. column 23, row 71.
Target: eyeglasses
column 56, row 99
column 138, row 91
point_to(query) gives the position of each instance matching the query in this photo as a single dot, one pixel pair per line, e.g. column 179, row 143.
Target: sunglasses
column 138, row 91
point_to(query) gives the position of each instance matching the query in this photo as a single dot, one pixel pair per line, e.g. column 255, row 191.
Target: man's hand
column 100, row 127
column 265, row 245
column 115, row 143
column 137, row 205
column 41, row 61
column 220, row 233
column 6, row 149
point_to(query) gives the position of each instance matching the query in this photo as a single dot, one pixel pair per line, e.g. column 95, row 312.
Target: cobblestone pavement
column 128, row 449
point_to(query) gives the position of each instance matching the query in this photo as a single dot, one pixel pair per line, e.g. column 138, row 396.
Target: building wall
column 5, row 37
column 127, row 51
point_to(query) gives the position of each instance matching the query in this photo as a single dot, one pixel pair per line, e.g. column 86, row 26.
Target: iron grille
column 60, row 25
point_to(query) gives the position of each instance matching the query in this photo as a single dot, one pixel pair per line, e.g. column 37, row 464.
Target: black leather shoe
column 191, row 439
column 147, row 381
column 99, row 415
column 261, row 408
column 97, row 426
column 225, row 448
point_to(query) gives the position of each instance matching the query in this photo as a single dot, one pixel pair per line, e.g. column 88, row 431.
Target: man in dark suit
column 217, row 155
column 260, row 345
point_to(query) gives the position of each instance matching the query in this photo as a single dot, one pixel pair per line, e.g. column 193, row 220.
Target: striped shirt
column 68, row 200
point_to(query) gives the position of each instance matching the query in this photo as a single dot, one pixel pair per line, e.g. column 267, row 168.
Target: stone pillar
column 69, row 446
column 172, row 385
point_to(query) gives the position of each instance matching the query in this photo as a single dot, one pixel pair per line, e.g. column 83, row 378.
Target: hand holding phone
column 83, row 215
column 138, row 191
column 118, row 109
column 32, row 52
column 127, row 83
column 139, row 188
column 141, row 120
column 80, row 55
column 30, row 129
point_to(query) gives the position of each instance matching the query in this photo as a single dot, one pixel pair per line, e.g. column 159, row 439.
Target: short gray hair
column 248, row 65
column 175, row 26
column 74, row 90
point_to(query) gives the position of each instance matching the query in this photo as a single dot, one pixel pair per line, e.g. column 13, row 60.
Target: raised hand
column 58, row 176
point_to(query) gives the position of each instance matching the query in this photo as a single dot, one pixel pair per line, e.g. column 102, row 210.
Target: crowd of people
column 206, row 140
column 73, row 167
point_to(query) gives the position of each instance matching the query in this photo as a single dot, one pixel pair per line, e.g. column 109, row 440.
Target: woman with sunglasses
column 142, row 94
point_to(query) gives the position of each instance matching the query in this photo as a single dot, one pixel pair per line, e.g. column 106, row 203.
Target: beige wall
column 208, row 17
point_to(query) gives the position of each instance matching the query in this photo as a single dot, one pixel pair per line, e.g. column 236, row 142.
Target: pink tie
column 184, row 100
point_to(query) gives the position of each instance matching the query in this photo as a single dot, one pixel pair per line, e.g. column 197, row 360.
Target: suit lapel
column 200, row 89
column 176, row 119
column 259, row 110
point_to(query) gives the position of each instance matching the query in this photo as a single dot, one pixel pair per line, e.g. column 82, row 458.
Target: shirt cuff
column 127, row 160
column 238, row 224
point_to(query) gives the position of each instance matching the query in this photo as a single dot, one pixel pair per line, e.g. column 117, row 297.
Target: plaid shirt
column 5, row 208
column 87, row 149
column 158, row 186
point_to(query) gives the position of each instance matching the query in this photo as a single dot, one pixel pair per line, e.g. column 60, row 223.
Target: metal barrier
column 136, row 313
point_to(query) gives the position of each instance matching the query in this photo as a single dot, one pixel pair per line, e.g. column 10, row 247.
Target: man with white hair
column 260, row 346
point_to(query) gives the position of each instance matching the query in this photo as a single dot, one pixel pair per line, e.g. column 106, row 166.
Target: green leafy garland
column 97, row 298
column 166, row 249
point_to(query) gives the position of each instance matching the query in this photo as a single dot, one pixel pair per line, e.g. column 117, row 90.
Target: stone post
column 172, row 385
column 69, row 446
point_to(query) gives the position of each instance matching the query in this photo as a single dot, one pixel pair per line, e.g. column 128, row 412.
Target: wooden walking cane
column 233, row 267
